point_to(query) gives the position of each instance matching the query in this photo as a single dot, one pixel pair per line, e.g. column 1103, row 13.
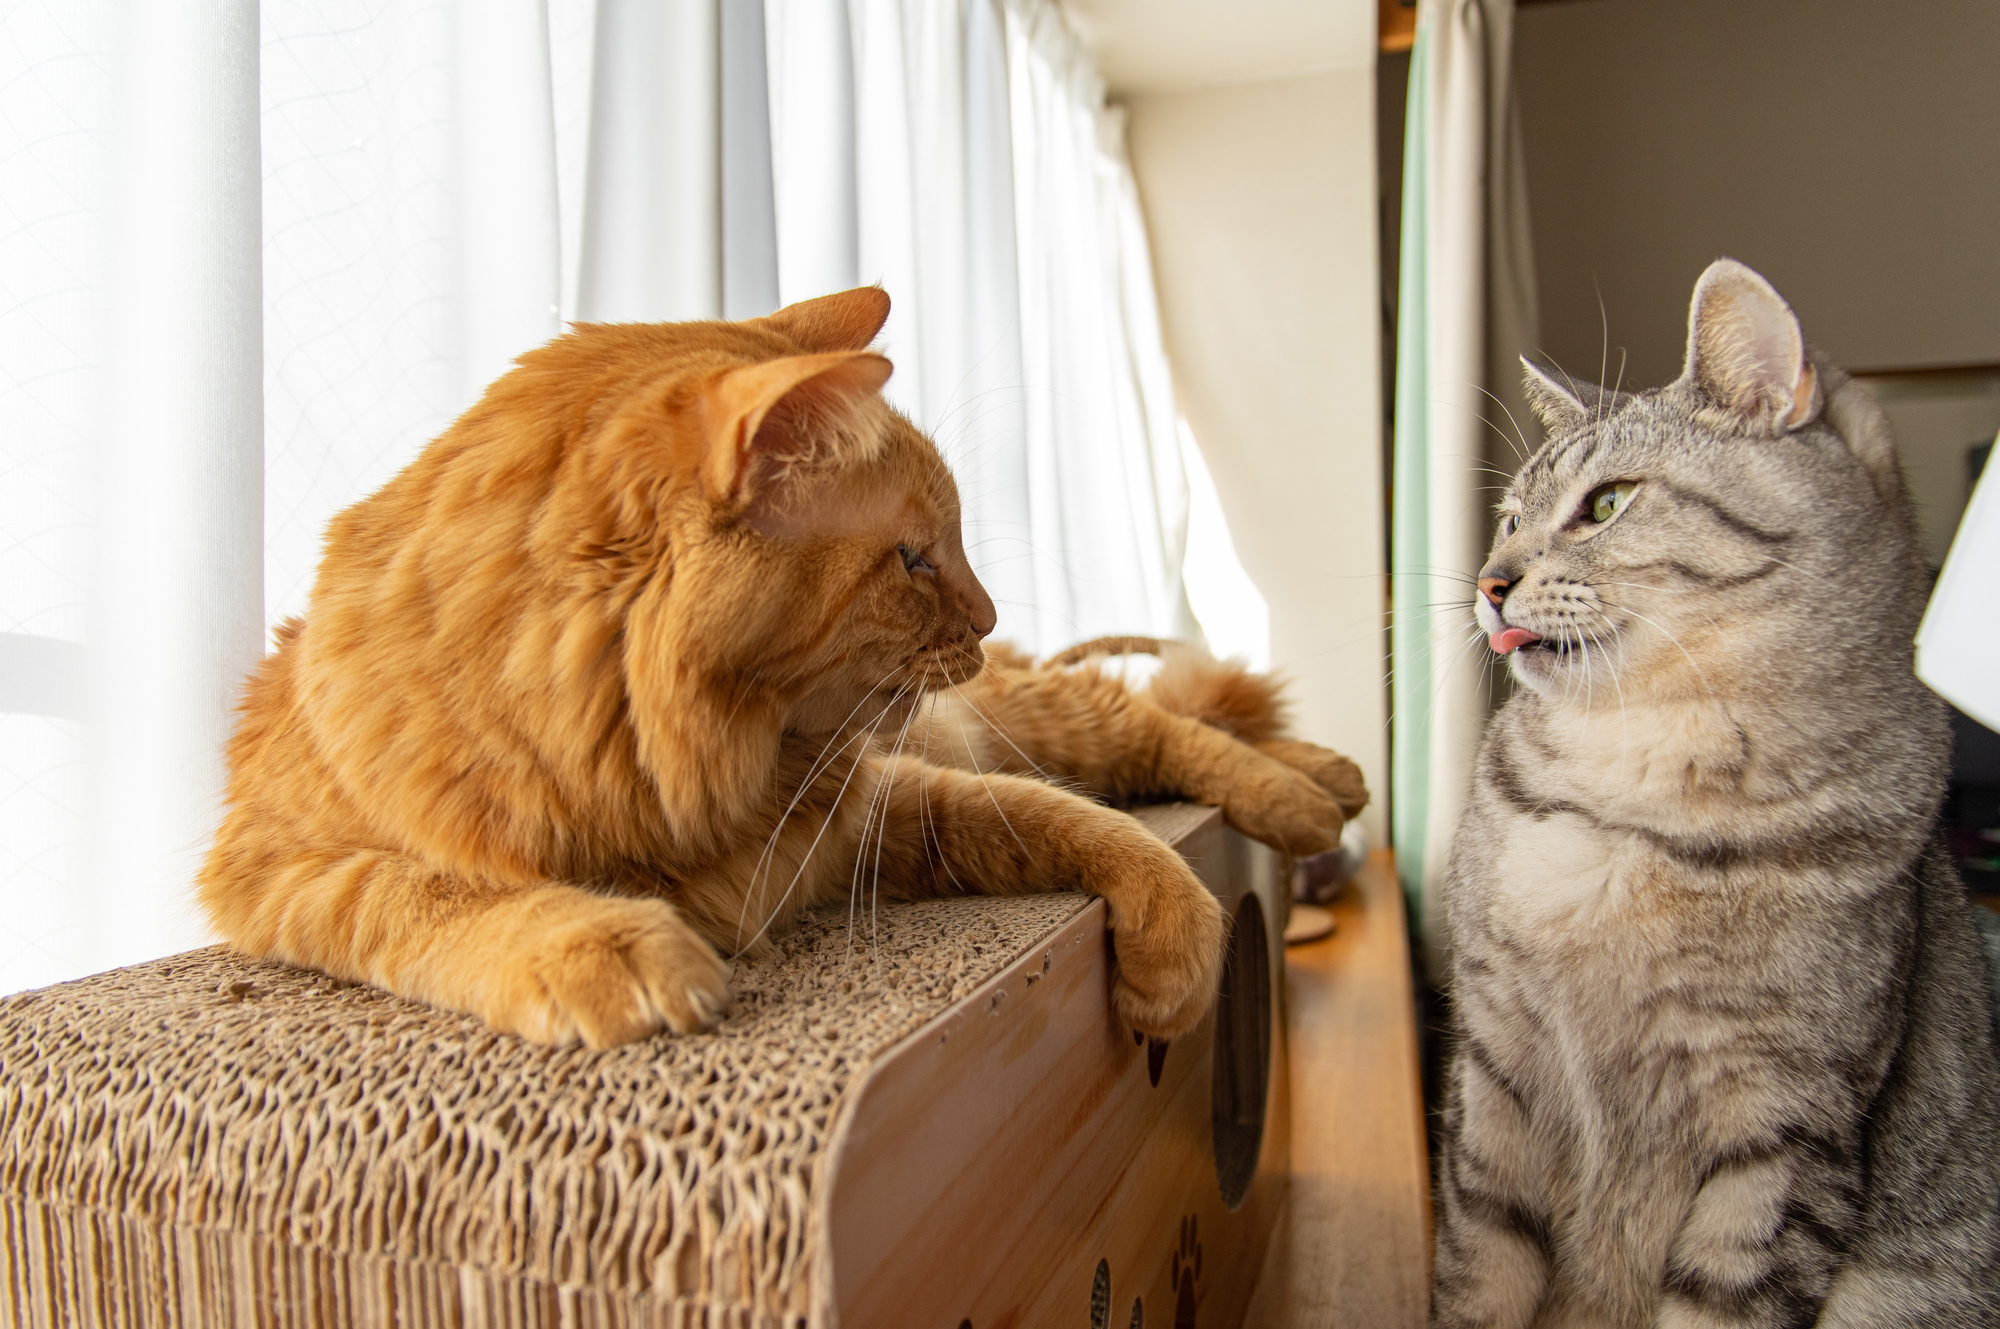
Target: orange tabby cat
column 592, row 690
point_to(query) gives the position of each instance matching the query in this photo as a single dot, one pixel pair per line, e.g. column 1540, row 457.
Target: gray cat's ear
column 1559, row 401
column 1745, row 351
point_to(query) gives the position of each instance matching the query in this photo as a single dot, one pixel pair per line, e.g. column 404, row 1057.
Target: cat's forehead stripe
column 1741, row 525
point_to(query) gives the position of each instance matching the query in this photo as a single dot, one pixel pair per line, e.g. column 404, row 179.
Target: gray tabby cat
column 1724, row 1051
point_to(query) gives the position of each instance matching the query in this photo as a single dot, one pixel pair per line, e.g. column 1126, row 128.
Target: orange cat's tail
column 1193, row 683
column 1096, row 646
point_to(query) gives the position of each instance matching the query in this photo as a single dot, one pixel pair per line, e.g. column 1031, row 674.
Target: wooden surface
column 993, row 1160
column 1353, row 1247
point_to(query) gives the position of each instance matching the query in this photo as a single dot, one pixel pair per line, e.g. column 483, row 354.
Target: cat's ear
column 1559, row 401
column 768, row 417
column 846, row 321
column 1745, row 350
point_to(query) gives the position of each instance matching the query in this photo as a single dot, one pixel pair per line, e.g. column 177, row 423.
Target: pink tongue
column 1508, row 640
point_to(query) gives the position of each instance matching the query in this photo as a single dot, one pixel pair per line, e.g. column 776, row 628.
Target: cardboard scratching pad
column 917, row 1115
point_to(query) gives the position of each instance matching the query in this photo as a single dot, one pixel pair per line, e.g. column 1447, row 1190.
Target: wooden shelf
column 1353, row 1245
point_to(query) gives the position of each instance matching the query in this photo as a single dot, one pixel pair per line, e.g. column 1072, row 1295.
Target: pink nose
column 1494, row 589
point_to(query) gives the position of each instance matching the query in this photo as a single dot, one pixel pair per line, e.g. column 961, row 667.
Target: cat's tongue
column 1508, row 640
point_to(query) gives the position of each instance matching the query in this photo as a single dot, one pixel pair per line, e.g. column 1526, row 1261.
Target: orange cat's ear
column 847, row 321
column 767, row 417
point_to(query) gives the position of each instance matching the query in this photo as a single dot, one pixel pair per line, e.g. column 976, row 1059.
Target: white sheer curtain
column 56, row 83
column 1108, row 520
column 250, row 262
column 991, row 197
column 130, row 415
column 411, row 250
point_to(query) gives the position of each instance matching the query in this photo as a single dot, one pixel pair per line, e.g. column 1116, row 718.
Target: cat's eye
column 914, row 561
column 1508, row 525
column 1608, row 500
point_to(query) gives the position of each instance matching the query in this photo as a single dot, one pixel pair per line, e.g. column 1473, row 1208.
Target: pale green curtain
column 1466, row 310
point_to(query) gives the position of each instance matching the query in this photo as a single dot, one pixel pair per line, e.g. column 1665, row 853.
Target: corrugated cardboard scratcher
column 919, row 1115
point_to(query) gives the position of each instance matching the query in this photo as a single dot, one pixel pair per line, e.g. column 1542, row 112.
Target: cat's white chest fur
column 1557, row 872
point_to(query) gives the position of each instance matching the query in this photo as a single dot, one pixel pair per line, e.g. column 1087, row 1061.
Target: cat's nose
column 980, row 611
column 1494, row 589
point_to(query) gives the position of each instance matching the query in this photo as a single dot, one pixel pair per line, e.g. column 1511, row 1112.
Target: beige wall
column 1847, row 149
column 1260, row 205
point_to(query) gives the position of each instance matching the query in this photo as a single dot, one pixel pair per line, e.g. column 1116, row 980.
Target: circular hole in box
column 1242, row 1053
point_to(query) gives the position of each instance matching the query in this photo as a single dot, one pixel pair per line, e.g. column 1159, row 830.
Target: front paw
column 606, row 971
column 1167, row 931
column 1339, row 777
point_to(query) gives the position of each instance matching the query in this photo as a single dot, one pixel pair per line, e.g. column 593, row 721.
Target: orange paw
column 610, row 971
column 1167, row 932
column 1338, row 776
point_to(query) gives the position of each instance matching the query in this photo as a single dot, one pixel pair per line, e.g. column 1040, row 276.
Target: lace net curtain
column 221, row 324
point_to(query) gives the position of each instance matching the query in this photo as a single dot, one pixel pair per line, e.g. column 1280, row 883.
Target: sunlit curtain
column 990, row 195
column 410, row 242
column 1465, row 311
column 130, row 415
column 1108, row 518
column 1958, row 646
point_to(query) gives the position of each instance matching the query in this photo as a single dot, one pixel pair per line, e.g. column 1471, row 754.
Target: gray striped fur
column 1723, row 1051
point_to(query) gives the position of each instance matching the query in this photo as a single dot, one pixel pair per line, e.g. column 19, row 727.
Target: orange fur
column 625, row 670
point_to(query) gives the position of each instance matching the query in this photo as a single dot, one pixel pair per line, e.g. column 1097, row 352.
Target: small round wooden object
column 1308, row 922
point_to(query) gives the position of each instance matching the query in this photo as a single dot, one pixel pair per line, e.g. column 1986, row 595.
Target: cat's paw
column 1338, row 776
column 1283, row 807
column 1167, row 932
column 609, row 971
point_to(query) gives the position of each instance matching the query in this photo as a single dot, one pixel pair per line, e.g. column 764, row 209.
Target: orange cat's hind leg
column 1249, row 706
column 1221, row 693
column 551, row 962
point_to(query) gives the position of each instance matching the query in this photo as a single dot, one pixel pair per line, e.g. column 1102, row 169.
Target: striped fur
column 1723, row 1051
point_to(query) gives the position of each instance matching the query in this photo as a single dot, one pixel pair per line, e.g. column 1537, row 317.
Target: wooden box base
column 921, row 1117
column 1022, row 1162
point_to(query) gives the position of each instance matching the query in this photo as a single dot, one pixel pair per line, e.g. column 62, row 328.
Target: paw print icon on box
column 1185, row 1268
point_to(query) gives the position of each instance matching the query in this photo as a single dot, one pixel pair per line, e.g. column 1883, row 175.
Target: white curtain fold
column 1108, row 523
column 176, row 613
column 810, row 59
column 133, row 435
column 749, row 222
column 651, row 226
column 56, row 98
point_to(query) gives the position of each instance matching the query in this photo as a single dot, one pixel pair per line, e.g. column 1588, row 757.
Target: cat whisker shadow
column 877, row 817
column 828, row 754
column 863, row 733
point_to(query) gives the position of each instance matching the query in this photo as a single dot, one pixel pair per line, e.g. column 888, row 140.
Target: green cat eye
column 1605, row 503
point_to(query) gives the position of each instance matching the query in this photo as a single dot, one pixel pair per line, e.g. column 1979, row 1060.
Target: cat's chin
column 1544, row 664
column 895, row 707
column 885, row 711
